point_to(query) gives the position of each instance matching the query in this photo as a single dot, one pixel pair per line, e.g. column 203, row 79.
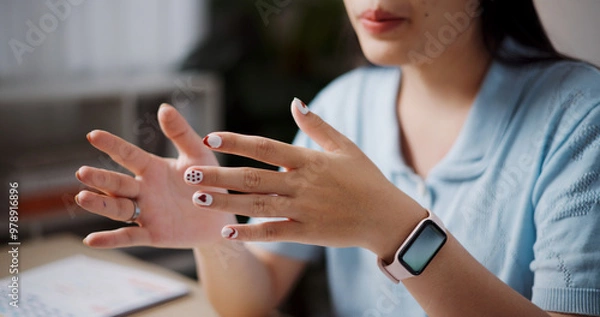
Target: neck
column 450, row 80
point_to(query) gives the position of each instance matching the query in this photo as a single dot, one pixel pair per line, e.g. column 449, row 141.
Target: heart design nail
column 229, row 233
column 203, row 199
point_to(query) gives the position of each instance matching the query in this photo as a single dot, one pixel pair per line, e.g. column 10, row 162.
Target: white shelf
column 47, row 149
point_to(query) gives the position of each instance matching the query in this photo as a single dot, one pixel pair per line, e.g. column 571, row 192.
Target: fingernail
column 300, row 105
column 213, row 141
column 229, row 233
column 77, row 175
column 76, row 198
column 193, row 176
column 203, row 199
column 87, row 136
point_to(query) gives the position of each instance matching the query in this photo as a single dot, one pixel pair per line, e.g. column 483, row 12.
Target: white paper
column 83, row 286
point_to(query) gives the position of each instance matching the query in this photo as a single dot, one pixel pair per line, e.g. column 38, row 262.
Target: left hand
column 333, row 198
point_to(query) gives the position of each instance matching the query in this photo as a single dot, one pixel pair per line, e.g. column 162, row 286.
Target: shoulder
column 561, row 94
column 567, row 74
column 561, row 101
column 565, row 84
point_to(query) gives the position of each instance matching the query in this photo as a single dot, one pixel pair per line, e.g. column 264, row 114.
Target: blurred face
column 400, row 32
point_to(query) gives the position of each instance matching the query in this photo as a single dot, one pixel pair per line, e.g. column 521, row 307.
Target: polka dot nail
column 193, row 177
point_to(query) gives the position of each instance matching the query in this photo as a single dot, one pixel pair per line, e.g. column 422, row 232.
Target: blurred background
column 70, row 66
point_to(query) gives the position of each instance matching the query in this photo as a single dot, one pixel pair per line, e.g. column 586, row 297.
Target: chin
column 384, row 53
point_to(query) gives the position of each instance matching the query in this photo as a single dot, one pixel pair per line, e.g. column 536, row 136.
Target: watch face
column 422, row 247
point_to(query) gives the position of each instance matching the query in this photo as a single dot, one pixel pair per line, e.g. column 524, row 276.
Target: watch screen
column 422, row 247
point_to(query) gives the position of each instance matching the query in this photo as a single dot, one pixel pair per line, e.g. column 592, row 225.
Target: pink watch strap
column 396, row 271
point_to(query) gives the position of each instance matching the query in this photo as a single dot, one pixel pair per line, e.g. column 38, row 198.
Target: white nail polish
column 202, row 199
column 213, row 141
column 229, row 233
column 193, row 177
column 301, row 106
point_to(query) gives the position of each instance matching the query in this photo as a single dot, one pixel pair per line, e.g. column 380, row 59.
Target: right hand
column 168, row 217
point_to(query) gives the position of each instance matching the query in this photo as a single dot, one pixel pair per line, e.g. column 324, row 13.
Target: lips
column 380, row 21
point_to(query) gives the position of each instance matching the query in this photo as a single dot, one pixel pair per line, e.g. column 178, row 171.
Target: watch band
column 396, row 270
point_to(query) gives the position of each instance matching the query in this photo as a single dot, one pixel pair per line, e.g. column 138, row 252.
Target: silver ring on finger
column 136, row 212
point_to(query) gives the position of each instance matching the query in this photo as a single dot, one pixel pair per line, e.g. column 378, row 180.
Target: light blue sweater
column 520, row 188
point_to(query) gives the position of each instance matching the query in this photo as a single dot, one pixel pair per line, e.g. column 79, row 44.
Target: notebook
column 83, row 286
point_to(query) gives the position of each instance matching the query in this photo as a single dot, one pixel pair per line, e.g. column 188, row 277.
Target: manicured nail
column 229, row 233
column 193, row 176
column 300, row 105
column 203, row 199
column 213, row 141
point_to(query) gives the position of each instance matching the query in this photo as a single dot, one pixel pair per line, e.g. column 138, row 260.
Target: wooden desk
column 38, row 252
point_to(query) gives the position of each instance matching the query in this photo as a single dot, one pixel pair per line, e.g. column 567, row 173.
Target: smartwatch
column 417, row 251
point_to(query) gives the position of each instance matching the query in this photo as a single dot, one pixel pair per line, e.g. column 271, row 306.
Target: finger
column 126, row 154
column 122, row 237
column 109, row 182
column 258, row 148
column 284, row 230
column 250, row 205
column 242, row 179
column 177, row 129
column 120, row 209
column 318, row 130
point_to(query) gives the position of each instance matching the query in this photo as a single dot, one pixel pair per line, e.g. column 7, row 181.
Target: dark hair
column 518, row 20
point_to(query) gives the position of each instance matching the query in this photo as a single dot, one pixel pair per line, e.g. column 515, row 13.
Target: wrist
column 212, row 239
column 395, row 226
column 222, row 248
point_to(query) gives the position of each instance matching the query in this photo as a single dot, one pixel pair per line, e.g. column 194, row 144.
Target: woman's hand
column 168, row 218
column 334, row 198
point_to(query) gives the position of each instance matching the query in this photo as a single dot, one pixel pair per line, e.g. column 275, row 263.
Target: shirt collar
column 480, row 136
